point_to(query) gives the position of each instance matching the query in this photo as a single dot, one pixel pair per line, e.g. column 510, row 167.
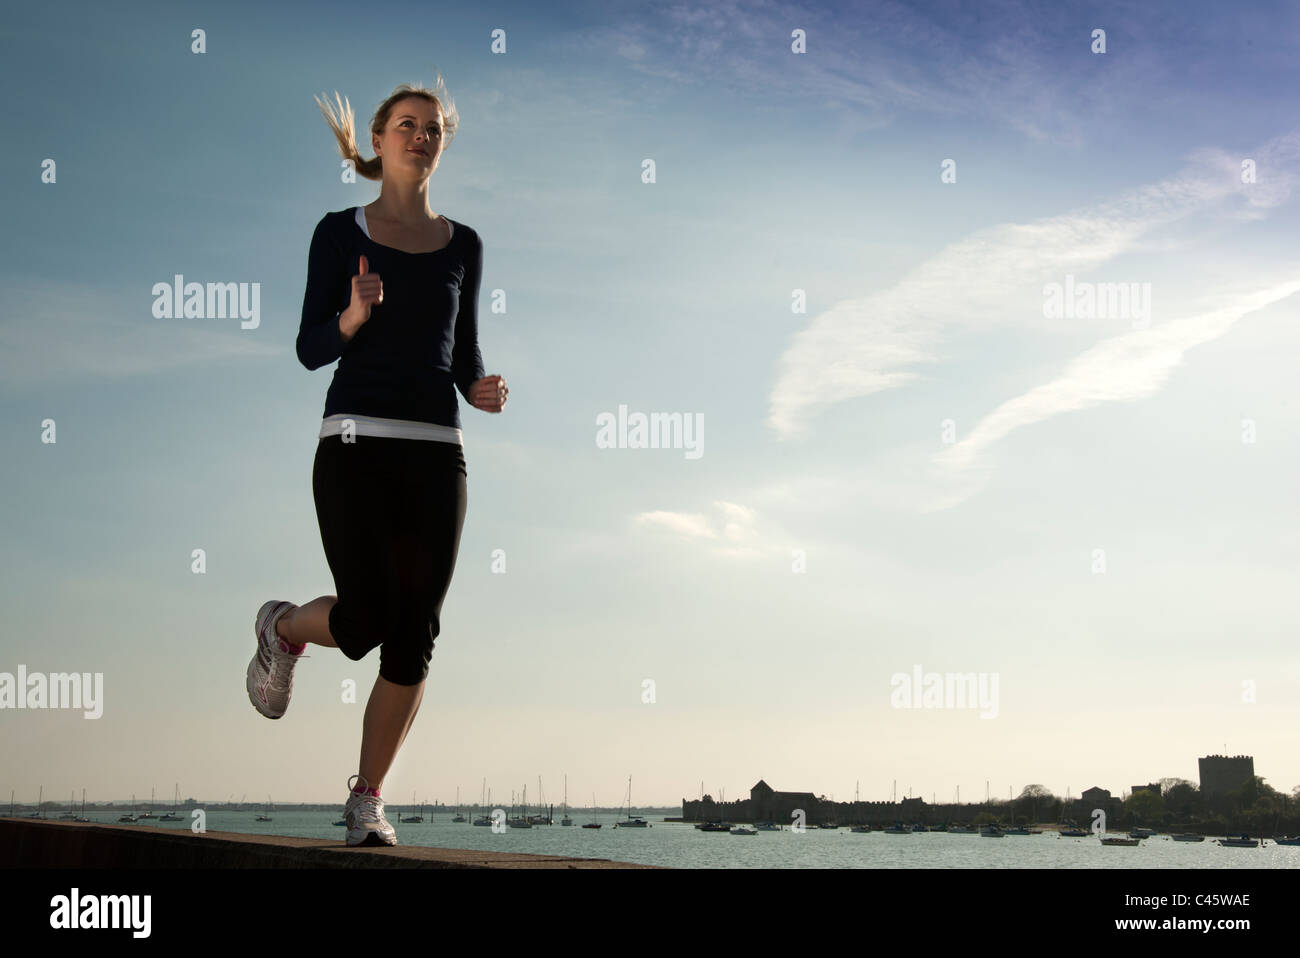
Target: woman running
column 392, row 293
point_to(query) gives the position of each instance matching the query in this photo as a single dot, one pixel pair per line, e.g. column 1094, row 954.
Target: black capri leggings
column 391, row 513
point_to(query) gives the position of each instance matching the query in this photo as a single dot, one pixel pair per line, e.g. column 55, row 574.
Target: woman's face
column 414, row 125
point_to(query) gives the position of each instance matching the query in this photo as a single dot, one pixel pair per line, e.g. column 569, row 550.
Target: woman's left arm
column 483, row 392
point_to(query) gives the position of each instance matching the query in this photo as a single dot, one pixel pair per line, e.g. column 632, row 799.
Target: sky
column 831, row 237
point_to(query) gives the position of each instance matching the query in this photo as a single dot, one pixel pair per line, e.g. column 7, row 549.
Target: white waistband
column 389, row 428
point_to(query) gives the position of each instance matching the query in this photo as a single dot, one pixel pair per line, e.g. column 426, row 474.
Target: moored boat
column 171, row 815
column 632, row 821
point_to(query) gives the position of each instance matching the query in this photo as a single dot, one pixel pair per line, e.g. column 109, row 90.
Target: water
column 679, row 845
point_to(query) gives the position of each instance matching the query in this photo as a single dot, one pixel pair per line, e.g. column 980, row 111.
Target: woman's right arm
column 326, row 325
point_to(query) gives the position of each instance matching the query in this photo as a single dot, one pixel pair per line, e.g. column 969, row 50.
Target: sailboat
column 459, row 817
column 83, row 817
column 411, row 819
column 267, row 816
column 542, row 817
column 176, row 800
column 131, row 817
column 483, row 817
column 521, row 821
column 149, row 813
column 70, row 815
column 37, row 813
column 566, row 820
column 631, row 821
column 593, row 823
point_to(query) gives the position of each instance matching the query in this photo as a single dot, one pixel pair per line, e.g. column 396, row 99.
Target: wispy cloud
column 732, row 531
column 995, row 276
column 1120, row 369
column 1024, row 66
column 78, row 333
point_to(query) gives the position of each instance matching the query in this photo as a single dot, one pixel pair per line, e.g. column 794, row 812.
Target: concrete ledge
column 38, row 843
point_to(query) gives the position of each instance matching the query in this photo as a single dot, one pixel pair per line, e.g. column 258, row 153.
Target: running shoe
column 270, row 671
column 364, row 814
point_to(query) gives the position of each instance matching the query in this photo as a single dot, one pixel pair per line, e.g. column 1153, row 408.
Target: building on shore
column 1220, row 774
column 765, row 804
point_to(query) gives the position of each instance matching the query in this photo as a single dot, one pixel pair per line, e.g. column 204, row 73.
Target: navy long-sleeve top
column 419, row 345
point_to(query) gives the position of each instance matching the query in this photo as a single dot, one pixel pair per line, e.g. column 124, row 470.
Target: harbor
column 676, row 844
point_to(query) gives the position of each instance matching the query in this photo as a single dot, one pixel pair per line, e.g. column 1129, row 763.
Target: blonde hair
column 343, row 123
